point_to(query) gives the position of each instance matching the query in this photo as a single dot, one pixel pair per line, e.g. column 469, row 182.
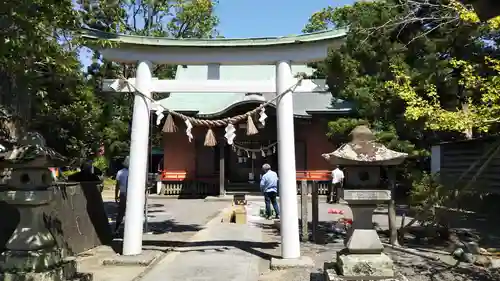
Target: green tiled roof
column 93, row 34
column 213, row 104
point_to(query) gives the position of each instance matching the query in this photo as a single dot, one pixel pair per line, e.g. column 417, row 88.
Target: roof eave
column 329, row 111
column 95, row 35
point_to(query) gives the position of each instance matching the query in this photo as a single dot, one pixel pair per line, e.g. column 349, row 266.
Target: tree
column 42, row 87
column 479, row 110
column 478, row 103
column 383, row 36
column 173, row 19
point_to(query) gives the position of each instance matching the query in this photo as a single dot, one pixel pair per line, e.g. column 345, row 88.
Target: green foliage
column 68, row 173
column 100, row 163
column 416, row 74
column 174, row 19
column 427, row 189
column 42, row 84
column 357, row 72
column 480, row 105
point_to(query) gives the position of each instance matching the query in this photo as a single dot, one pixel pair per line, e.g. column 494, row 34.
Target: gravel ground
column 413, row 267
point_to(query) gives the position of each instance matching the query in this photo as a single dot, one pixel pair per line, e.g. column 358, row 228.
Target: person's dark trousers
column 270, row 198
column 338, row 192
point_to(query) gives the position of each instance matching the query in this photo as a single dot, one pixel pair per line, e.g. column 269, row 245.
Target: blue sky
column 262, row 18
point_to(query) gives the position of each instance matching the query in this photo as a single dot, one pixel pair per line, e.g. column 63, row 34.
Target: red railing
column 317, row 175
column 173, row 175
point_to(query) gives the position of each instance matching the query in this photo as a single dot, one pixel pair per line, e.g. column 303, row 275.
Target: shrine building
column 191, row 168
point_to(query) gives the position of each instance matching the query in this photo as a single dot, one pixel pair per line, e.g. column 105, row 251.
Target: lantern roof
column 363, row 149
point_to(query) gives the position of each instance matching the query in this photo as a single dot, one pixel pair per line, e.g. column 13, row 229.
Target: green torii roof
column 209, row 105
column 93, row 34
column 212, row 104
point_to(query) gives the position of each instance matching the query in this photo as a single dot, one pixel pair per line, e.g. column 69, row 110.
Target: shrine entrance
column 243, row 159
column 281, row 52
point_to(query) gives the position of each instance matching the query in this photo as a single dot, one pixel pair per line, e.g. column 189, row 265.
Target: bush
column 101, row 163
column 427, row 189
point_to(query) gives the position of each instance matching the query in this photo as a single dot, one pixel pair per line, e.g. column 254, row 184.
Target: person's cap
column 126, row 161
column 266, row 167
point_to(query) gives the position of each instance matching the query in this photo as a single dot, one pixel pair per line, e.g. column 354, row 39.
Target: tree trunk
column 391, row 213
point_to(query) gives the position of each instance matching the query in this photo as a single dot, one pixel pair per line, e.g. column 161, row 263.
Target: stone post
column 303, row 211
column 315, row 210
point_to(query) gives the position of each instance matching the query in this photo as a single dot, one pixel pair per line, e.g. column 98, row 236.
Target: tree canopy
column 43, row 87
column 406, row 65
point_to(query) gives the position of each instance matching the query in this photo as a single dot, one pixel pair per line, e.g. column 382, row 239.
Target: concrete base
column 64, row 272
column 144, row 259
column 302, row 262
column 365, row 265
column 331, row 275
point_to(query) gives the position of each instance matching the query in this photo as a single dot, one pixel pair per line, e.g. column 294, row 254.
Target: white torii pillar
column 290, row 244
column 139, row 143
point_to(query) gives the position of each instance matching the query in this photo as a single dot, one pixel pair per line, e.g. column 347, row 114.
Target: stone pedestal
column 363, row 257
column 365, row 265
column 31, row 252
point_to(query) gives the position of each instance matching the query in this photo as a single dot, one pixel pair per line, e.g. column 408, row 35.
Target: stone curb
column 168, row 256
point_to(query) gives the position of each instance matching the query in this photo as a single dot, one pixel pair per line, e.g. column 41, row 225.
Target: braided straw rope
column 219, row 122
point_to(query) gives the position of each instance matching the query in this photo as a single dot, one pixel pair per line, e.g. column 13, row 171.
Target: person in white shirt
column 336, row 186
column 121, row 192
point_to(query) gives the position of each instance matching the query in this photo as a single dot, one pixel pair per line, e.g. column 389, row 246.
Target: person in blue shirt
column 269, row 187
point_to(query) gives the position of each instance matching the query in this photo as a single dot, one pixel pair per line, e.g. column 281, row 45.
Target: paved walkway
column 197, row 251
column 222, row 251
column 172, row 222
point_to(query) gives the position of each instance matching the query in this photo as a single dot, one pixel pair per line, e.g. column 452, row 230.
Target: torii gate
column 281, row 52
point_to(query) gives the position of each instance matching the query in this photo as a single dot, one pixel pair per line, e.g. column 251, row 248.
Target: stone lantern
column 363, row 160
column 30, row 251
